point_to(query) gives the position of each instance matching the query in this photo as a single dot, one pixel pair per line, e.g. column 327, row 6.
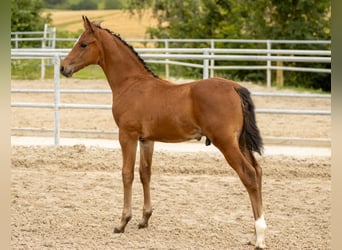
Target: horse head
column 85, row 51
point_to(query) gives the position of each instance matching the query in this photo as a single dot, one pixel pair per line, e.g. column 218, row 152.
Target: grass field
column 119, row 21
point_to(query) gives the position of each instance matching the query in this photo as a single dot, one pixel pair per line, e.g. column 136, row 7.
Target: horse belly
column 172, row 129
column 168, row 115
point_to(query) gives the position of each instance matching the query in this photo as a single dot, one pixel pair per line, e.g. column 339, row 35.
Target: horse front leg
column 146, row 152
column 129, row 148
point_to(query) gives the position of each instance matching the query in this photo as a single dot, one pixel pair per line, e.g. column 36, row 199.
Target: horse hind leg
column 146, row 152
column 249, row 173
column 258, row 170
column 260, row 224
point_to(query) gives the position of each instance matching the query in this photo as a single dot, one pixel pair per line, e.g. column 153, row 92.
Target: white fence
column 208, row 56
column 57, row 54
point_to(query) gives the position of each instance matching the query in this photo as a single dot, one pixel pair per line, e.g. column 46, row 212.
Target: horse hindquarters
column 226, row 116
column 250, row 140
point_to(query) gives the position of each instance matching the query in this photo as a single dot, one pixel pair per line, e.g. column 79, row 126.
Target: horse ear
column 87, row 24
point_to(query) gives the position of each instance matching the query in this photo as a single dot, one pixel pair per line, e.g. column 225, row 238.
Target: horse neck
column 119, row 62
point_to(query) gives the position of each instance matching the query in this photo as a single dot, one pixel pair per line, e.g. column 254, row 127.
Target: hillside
column 119, row 21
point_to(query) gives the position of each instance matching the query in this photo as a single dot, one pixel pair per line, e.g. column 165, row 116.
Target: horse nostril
column 62, row 68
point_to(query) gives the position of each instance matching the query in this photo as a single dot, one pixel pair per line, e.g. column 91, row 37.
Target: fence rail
column 106, row 106
column 208, row 56
column 57, row 54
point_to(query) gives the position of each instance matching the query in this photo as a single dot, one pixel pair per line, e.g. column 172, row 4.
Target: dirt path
column 71, row 198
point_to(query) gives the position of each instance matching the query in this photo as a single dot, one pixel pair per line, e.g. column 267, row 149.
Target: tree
column 26, row 15
column 54, row 4
column 188, row 18
column 263, row 19
column 84, row 5
column 114, row 4
column 248, row 19
column 289, row 19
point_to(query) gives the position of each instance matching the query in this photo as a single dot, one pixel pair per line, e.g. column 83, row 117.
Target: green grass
column 91, row 72
column 30, row 69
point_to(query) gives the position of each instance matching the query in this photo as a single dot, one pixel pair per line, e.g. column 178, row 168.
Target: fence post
column 167, row 72
column 42, row 71
column 52, row 38
column 56, row 80
column 212, row 61
column 16, row 41
column 268, row 70
column 205, row 65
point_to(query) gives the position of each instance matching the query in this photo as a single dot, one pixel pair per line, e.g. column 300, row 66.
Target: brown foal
column 147, row 109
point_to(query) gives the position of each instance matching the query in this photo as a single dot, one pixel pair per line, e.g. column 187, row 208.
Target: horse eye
column 83, row 45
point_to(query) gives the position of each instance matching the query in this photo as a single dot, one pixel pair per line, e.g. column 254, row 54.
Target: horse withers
column 148, row 109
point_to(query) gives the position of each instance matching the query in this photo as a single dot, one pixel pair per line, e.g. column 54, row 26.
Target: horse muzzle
column 65, row 71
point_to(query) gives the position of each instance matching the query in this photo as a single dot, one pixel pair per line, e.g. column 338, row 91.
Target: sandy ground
column 70, row 197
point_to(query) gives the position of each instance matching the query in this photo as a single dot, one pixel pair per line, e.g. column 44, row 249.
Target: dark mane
column 129, row 46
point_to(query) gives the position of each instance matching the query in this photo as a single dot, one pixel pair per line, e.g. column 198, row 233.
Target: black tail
column 250, row 135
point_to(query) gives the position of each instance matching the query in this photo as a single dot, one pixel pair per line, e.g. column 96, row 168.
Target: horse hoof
column 260, row 247
column 144, row 222
column 142, row 225
column 251, row 243
column 118, row 230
